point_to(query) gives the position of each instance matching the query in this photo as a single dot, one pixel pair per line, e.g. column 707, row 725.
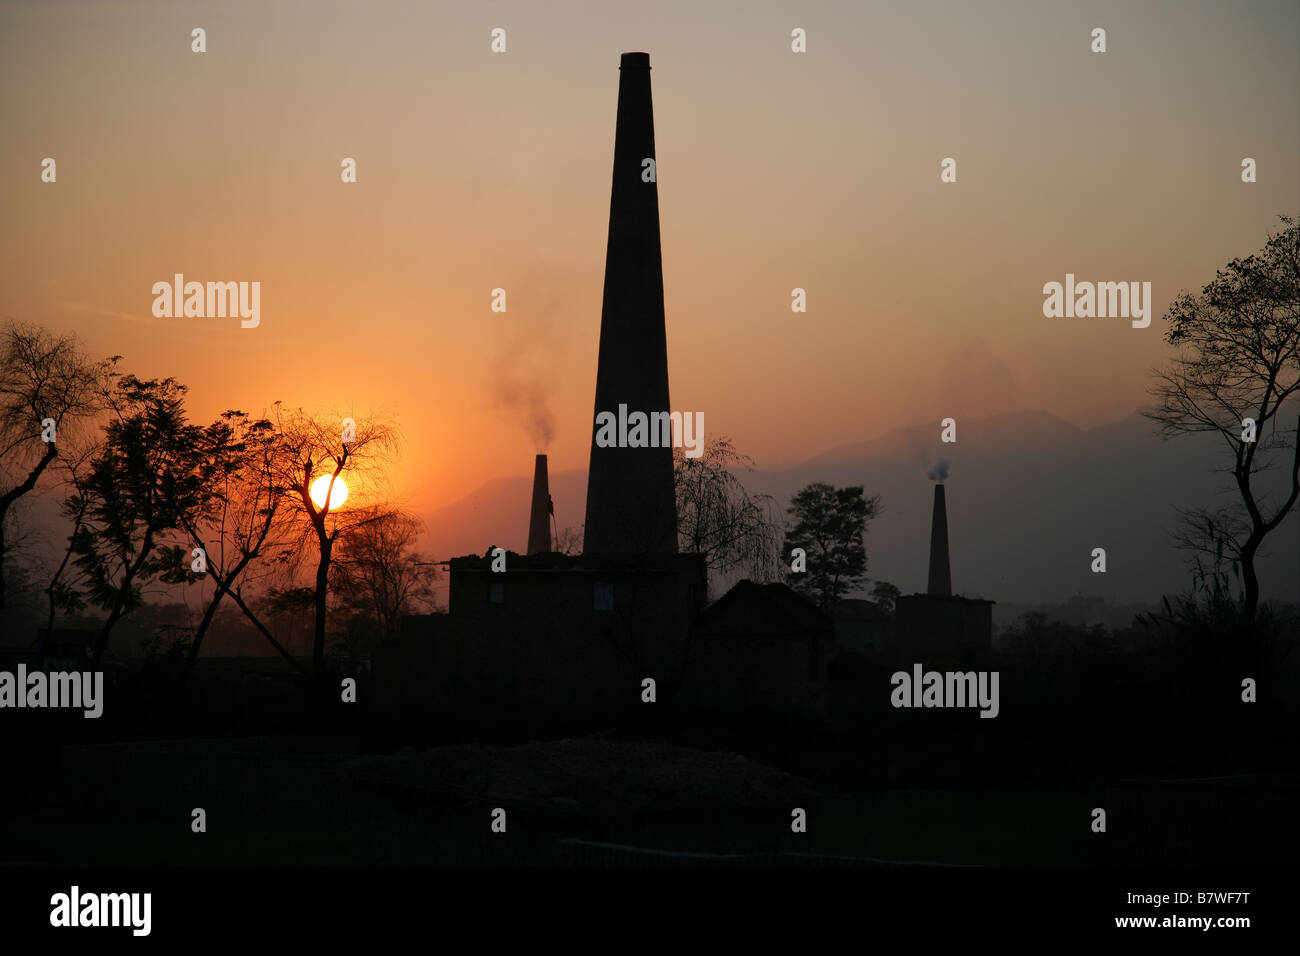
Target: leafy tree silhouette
column 1239, row 358
column 150, row 477
column 829, row 524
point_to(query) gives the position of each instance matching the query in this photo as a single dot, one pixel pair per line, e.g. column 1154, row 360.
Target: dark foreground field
column 1182, row 781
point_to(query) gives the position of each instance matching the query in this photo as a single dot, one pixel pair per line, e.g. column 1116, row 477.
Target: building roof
column 942, row 599
column 552, row 561
column 763, row 608
column 858, row 610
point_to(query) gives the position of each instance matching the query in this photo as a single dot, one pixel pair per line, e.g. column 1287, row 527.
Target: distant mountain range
column 1029, row 497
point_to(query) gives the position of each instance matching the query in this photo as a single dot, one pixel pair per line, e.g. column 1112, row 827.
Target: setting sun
column 321, row 487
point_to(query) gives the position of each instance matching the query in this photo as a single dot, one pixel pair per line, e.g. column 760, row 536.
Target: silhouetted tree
column 291, row 610
column 309, row 446
column 62, row 591
column 380, row 576
column 43, row 378
column 1034, row 633
column 568, row 540
column 829, row 524
column 1239, row 358
column 239, row 519
column 718, row 518
column 885, row 595
column 151, row 473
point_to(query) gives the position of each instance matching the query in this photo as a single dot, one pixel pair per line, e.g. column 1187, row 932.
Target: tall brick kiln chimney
column 539, row 522
column 940, row 574
column 631, row 505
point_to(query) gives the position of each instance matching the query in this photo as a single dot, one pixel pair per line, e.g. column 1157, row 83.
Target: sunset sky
column 775, row 170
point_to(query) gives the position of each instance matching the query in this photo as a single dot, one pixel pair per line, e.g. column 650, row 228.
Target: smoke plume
column 940, row 471
column 527, row 400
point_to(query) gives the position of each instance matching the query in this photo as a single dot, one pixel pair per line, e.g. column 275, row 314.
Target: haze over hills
column 1029, row 497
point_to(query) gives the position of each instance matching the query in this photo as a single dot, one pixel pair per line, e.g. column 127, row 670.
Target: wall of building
column 938, row 625
column 556, row 628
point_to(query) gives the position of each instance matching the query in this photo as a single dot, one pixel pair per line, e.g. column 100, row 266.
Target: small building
column 762, row 646
column 939, row 626
column 943, row 626
column 861, row 626
column 569, row 629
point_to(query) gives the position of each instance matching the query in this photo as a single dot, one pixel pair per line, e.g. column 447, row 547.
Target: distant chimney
column 940, row 574
column 539, row 524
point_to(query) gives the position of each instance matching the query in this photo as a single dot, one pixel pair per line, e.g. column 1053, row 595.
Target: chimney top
column 539, row 522
column 635, row 61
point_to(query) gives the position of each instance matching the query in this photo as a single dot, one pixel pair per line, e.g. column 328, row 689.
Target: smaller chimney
column 539, row 524
column 940, row 574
